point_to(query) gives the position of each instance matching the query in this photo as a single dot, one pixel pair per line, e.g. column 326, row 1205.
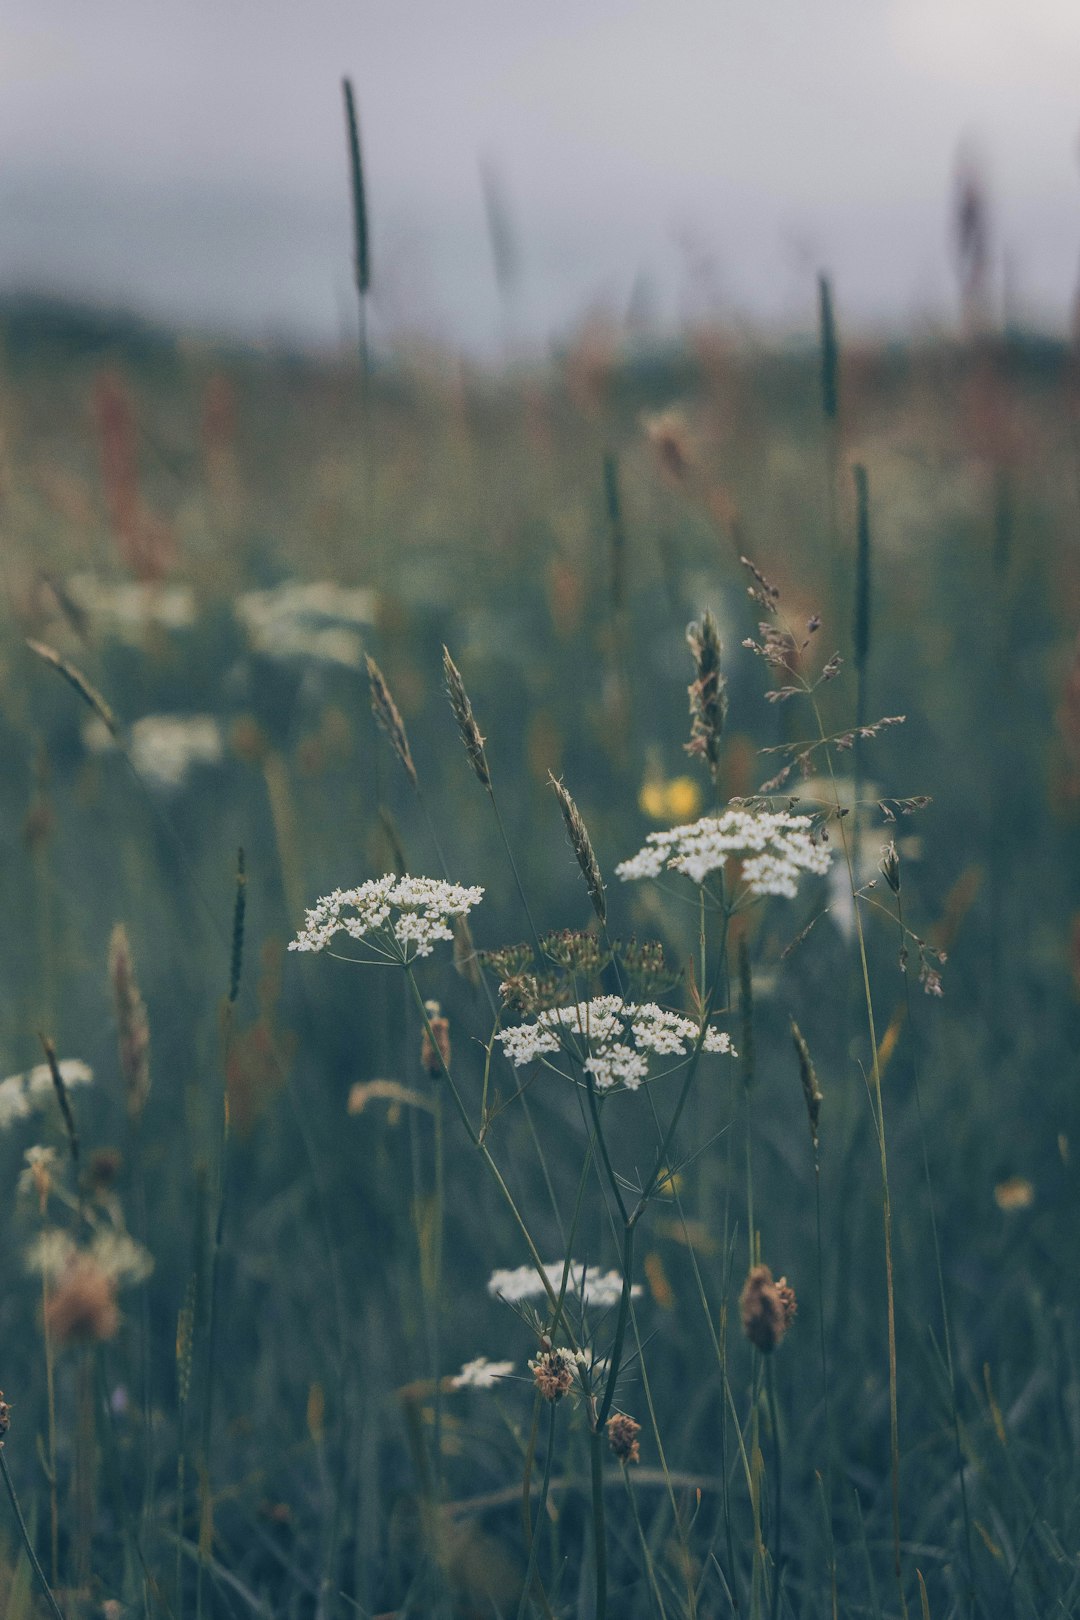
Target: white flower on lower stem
column 482, row 1374
column 597, row 1288
column 400, row 917
column 776, row 848
column 611, row 1038
column 22, row 1094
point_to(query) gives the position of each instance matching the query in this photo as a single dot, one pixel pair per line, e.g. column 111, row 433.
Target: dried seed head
column 768, row 1309
column 582, row 844
column 553, row 1373
column 889, row 867
column 622, row 1434
column 5, row 1416
column 389, row 718
column 82, row 1306
column 435, row 1041
column 133, row 1027
column 707, row 692
column 576, row 952
column 466, row 721
column 808, row 1074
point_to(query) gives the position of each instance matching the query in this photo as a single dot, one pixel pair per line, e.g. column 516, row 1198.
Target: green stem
column 482, row 1149
column 54, row 1607
column 596, row 1442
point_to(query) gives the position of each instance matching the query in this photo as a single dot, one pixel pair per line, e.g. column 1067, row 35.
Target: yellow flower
column 676, row 799
column 1014, row 1193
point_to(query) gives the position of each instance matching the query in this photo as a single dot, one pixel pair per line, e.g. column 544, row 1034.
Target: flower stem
column 57, row 1612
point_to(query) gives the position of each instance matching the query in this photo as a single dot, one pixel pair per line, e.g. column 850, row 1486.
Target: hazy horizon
column 189, row 163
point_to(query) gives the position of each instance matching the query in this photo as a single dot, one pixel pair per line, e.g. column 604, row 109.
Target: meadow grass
column 246, row 634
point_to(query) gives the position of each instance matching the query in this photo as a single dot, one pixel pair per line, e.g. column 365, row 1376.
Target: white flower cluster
column 22, row 1094
column 618, row 1036
column 482, row 1374
column 317, row 620
column 164, row 747
column 775, row 845
column 118, row 1256
column 402, row 917
column 126, row 609
column 601, row 1289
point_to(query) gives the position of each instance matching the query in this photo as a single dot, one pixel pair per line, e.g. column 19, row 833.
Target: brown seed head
column 5, row 1416
column 553, row 1372
column 768, row 1309
column 622, row 1434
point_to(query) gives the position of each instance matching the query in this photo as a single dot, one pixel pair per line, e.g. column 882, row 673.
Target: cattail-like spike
column 808, row 1074
column 132, row 1024
column 185, row 1341
column 862, row 569
column 707, row 692
column 389, row 719
column 63, row 1099
column 239, row 912
column 616, row 531
column 582, row 845
column 361, row 250
column 466, row 720
column 74, row 677
column 830, row 352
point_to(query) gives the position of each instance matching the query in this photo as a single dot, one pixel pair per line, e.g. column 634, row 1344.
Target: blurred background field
column 216, row 536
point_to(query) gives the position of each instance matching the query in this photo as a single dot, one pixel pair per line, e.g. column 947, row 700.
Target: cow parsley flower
column 482, row 1374
column 775, row 846
column 610, row 1037
column 399, row 918
column 23, row 1094
column 601, row 1289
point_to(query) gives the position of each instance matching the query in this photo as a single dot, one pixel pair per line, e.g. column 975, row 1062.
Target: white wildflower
column 121, row 1259
column 22, row 1094
column 775, row 846
column 482, row 1374
column 165, row 747
column 423, row 907
column 36, row 1180
column 14, row 1103
column 598, row 1288
column 50, row 1253
column 126, row 609
column 73, row 1072
column 316, row 621
column 616, row 1036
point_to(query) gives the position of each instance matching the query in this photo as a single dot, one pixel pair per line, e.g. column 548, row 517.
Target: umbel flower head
column 397, row 918
column 775, row 846
column 612, row 1039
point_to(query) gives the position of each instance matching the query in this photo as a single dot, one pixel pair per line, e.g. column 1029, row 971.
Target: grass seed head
column 388, row 717
column 808, row 1074
column 466, row 720
column 582, row 845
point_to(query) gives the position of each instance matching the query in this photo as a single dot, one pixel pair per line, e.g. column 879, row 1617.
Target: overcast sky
column 187, row 157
